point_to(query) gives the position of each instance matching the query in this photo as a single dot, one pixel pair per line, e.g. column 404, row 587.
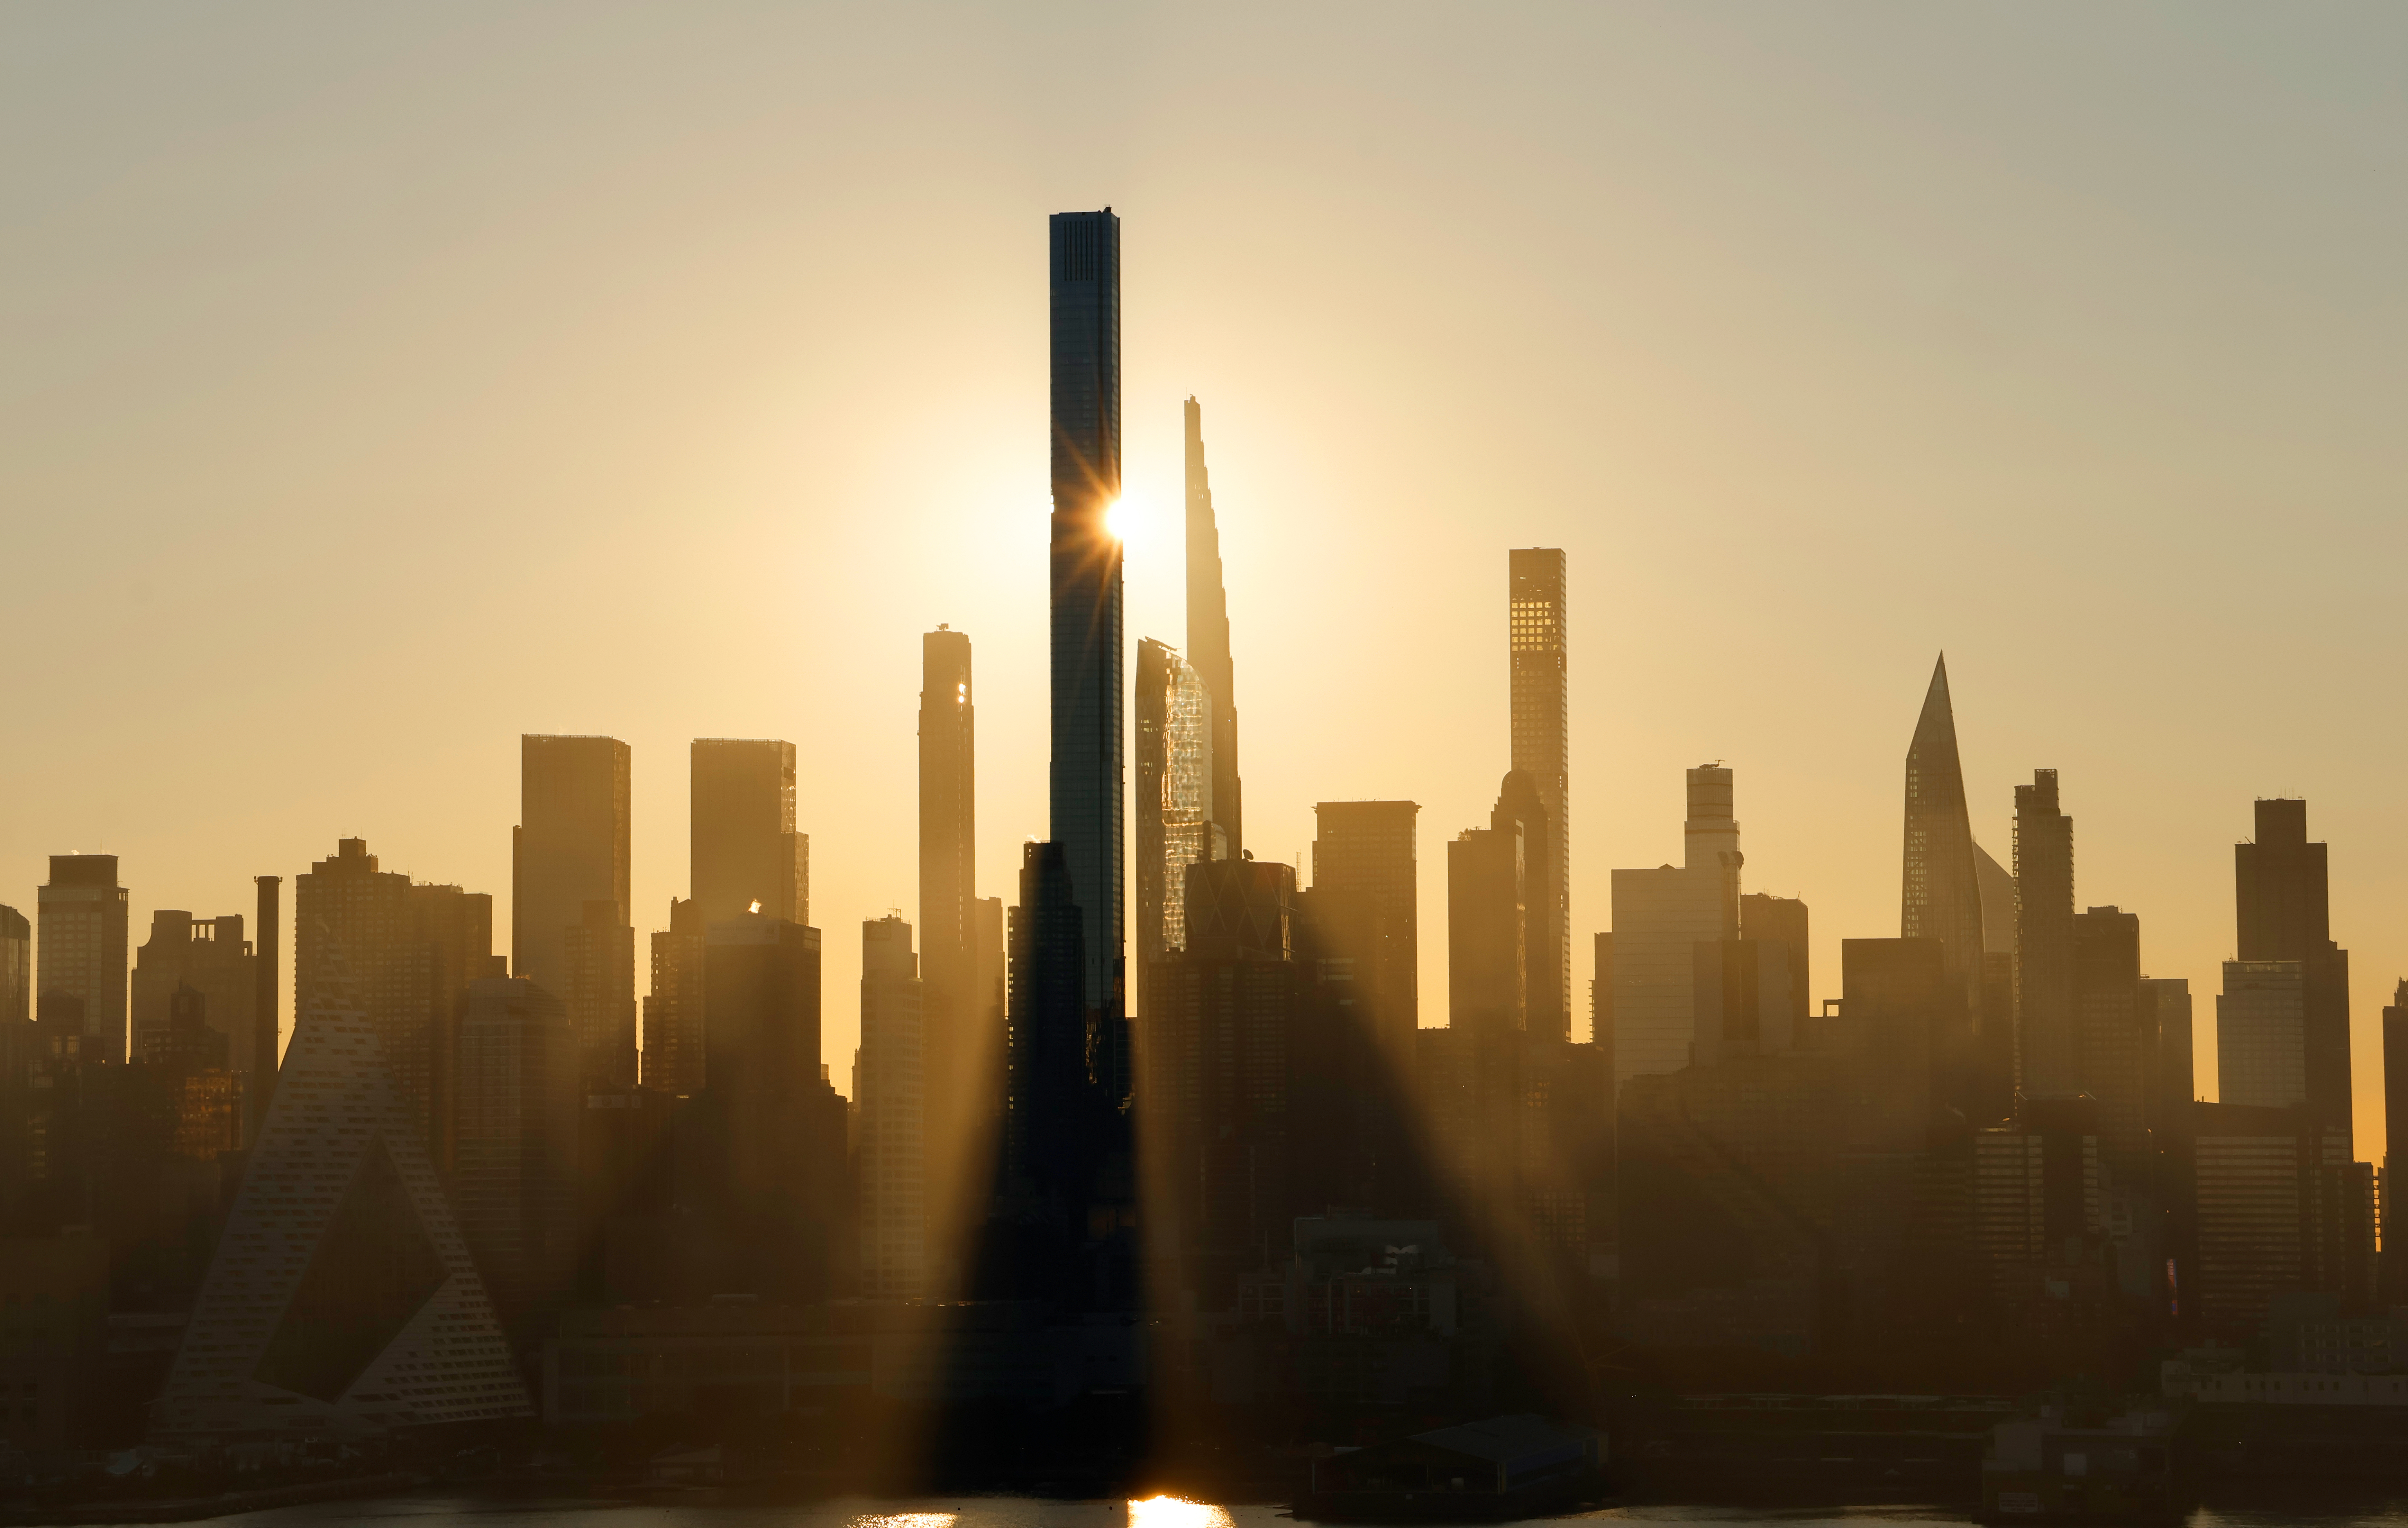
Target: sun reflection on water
column 905, row 1520
column 1175, row 1512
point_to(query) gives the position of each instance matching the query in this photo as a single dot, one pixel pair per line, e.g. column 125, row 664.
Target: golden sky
column 379, row 383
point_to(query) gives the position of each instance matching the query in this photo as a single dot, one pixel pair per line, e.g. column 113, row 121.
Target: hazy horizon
column 382, row 385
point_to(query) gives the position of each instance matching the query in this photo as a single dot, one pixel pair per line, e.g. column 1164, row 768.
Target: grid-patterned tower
column 1086, row 783
column 1536, row 616
column 1208, row 639
column 1175, row 823
column 1941, row 894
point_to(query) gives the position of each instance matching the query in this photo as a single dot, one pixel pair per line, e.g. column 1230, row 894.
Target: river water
column 419, row 1509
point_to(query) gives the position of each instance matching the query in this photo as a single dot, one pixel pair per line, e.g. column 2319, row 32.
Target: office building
column 2047, row 1057
column 743, row 844
column 2277, row 1204
column 515, row 1154
column 772, row 1131
column 82, row 914
column 1941, row 896
column 2114, row 1038
column 1086, row 783
column 673, row 1041
column 1208, row 641
column 208, row 956
column 598, row 993
column 2166, row 1018
column 341, row 1297
column 1175, row 801
column 15, row 968
column 1538, row 643
column 890, row 1092
column 1489, row 923
column 2283, row 907
column 1659, row 916
column 1366, row 892
column 569, row 848
column 2261, row 1022
column 1782, row 921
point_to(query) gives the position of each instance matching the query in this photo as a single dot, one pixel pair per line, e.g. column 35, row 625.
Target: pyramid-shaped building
column 342, row 1298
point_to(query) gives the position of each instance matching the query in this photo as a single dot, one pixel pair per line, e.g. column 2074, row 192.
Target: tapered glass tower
column 1208, row 639
column 1086, row 783
column 1941, row 894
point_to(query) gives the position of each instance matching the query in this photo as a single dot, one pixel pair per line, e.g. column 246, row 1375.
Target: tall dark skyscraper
column 2046, row 1062
column 570, row 848
column 1536, row 623
column 1365, row 896
column 1087, row 784
column 948, row 836
column 1941, row 896
column 2395, row 1135
column 743, row 844
column 1208, row 637
column 2283, row 910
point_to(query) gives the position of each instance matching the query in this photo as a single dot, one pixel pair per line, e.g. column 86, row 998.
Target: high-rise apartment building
column 1365, row 895
column 211, row 957
column 2277, row 1205
column 743, row 844
column 16, row 967
column 2047, row 1060
column 1208, row 640
column 1488, row 931
column 598, row 994
column 1766, row 919
column 2166, row 1014
column 961, row 1018
column 569, row 848
column 891, row 1139
column 2114, row 1037
column 1175, row 827
column 1941, row 896
column 1086, row 783
column 515, row 1148
column 1538, row 643
column 1659, row 916
column 82, row 914
column 673, row 1043
column 2284, row 912
column 2261, row 1022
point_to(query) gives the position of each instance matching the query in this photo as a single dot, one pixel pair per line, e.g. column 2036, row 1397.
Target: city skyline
column 1320, row 526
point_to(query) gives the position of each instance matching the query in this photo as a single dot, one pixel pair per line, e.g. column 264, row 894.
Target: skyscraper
column 82, row 912
column 1941, row 896
column 2261, row 1035
column 1208, row 641
column 1537, row 637
column 16, row 967
column 598, row 993
column 1366, row 896
column 267, row 1030
column 1487, row 929
column 1175, row 825
column 673, row 1043
column 570, row 848
column 515, row 1147
column 1659, row 916
column 212, row 958
column 743, row 844
column 891, row 1096
column 1086, row 783
column 2394, row 1136
column 2046, row 1061
column 2283, row 910
column 2112, row 1037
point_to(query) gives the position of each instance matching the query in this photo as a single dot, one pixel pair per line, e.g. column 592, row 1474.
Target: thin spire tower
column 1208, row 636
column 1941, row 897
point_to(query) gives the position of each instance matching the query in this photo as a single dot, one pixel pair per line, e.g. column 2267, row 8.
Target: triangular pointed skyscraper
column 341, row 1297
column 1207, row 639
column 1942, row 894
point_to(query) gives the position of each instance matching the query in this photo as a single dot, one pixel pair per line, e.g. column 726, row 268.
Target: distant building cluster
column 1199, row 1141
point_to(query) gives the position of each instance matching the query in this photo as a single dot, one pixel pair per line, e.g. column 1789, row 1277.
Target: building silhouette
column 2283, row 910
column 1487, row 914
column 2047, row 1059
column 1659, row 916
column 1365, row 907
column 961, row 1004
column 405, row 954
column 210, row 957
column 1538, row 643
column 16, row 968
column 82, row 914
column 673, row 1010
column 515, row 1152
column 2261, row 1025
column 2166, row 1018
column 1208, row 643
column 1175, row 827
column 598, row 996
column 267, row 1019
column 2395, row 1135
column 2114, row 1037
column 1783, row 922
column 1941, row 893
column 743, row 846
column 891, row 1094
column 570, row 848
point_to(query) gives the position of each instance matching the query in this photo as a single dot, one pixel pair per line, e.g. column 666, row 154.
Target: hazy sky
column 378, row 382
